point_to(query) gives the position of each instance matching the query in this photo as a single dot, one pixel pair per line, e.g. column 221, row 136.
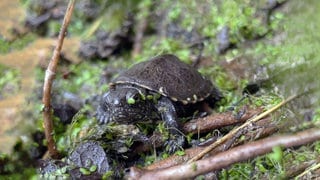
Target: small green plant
column 276, row 157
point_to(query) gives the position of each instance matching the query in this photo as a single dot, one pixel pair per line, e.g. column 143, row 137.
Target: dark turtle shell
column 170, row 77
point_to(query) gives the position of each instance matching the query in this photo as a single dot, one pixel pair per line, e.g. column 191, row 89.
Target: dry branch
column 236, row 130
column 215, row 121
column 202, row 125
column 308, row 171
column 226, row 158
column 298, row 169
column 48, row 80
column 264, row 130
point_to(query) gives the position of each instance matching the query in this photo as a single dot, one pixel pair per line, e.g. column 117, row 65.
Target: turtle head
column 123, row 104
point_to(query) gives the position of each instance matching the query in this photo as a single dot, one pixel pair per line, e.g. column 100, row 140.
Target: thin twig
column 48, row 80
column 295, row 170
column 226, row 158
column 310, row 169
column 234, row 131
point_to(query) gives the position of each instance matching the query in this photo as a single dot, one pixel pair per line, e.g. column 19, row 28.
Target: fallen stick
column 234, row 131
column 298, row 169
column 251, row 134
column 205, row 124
column 215, row 121
column 226, row 158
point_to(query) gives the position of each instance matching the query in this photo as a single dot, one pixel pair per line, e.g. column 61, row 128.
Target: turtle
column 161, row 88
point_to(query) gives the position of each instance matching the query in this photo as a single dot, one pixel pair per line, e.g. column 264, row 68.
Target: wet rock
column 64, row 112
column 41, row 12
column 73, row 100
column 90, row 154
column 89, row 49
column 67, row 98
column 107, row 74
column 273, row 4
column 89, row 9
column 308, row 115
column 251, row 88
column 37, row 149
column 106, row 44
column 223, row 39
column 49, row 166
column 175, row 31
column 87, row 161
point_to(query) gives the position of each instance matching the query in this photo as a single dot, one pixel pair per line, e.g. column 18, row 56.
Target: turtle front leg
column 168, row 113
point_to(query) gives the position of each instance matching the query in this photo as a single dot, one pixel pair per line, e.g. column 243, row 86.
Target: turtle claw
column 174, row 143
column 101, row 116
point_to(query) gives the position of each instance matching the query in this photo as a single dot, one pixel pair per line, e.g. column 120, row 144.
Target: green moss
column 107, row 175
column 317, row 147
column 6, row 46
column 209, row 17
column 238, row 171
column 54, row 28
column 78, row 131
column 11, row 166
column 9, row 81
column 294, row 60
column 27, row 173
column 273, row 165
column 316, row 116
column 180, row 153
column 163, row 130
column 293, row 63
column 276, row 157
